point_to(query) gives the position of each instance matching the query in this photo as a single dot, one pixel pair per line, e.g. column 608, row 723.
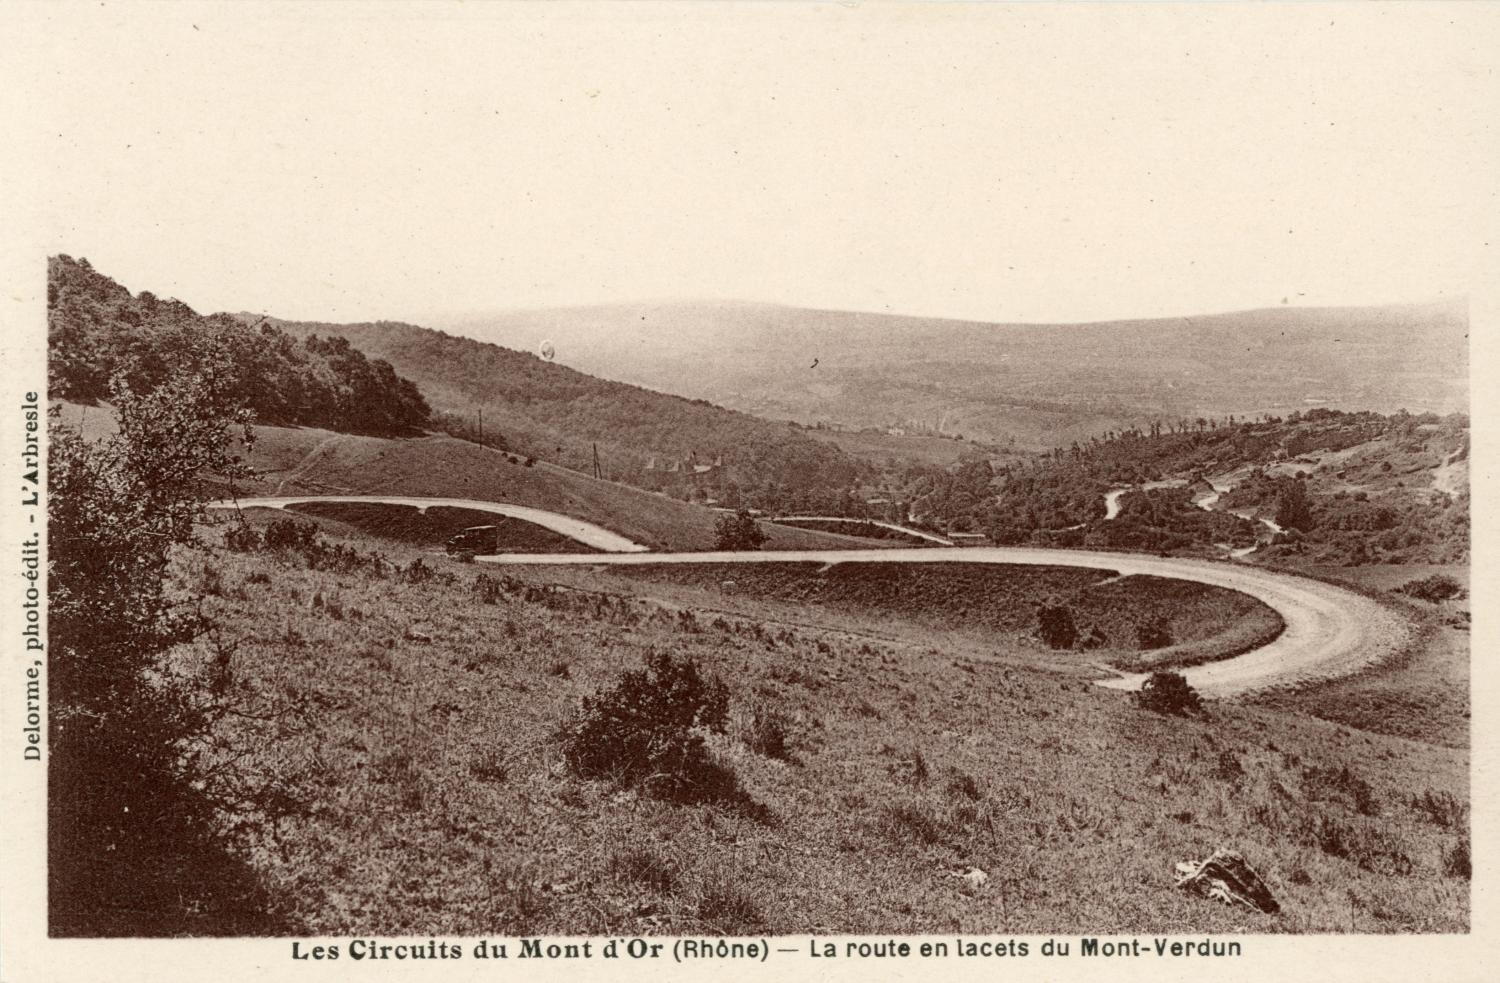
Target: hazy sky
column 1013, row 163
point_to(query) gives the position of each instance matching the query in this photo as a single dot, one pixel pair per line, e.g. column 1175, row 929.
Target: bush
column 739, row 531
column 1438, row 587
column 1169, row 693
column 1457, row 861
column 1442, row 808
column 242, row 538
column 1153, row 633
column 1055, row 625
column 648, row 730
column 289, row 534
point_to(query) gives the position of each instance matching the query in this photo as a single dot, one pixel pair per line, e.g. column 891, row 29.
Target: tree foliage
column 135, row 845
column 1367, row 507
column 738, row 531
column 99, row 333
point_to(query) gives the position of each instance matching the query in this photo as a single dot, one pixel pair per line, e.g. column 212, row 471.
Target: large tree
column 134, row 842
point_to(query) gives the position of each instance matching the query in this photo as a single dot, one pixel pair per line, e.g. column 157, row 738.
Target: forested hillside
column 100, row 336
column 687, row 447
column 1334, row 487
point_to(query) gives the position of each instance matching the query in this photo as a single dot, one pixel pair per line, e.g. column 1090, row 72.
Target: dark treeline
column 101, row 337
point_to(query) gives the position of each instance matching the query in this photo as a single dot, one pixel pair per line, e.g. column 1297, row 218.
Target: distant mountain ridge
column 1033, row 385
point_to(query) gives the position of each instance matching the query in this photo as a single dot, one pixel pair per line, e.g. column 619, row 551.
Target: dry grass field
column 1424, row 697
column 410, row 714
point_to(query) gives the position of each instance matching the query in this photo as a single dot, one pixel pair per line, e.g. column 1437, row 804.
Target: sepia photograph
column 764, row 476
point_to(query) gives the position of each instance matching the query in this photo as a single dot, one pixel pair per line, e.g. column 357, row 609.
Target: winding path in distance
column 1220, row 485
column 1329, row 631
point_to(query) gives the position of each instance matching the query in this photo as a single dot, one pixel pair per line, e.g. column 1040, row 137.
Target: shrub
column 914, row 821
column 1153, row 633
column 289, row 534
column 1055, row 625
column 1442, row 808
column 1169, row 693
column 1330, row 836
column 739, row 531
column 911, row 767
column 648, row 729
column 488, row 589
column 963, row 784
column 1326, row 782
column 242, row 538
column 1436, row 588
column 1457, row 861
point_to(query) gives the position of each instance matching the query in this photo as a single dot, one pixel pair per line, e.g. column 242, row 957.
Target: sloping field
column 428, row 744
column 427, row 527
column 311, row 461
column 306, row 461
column 368, row 509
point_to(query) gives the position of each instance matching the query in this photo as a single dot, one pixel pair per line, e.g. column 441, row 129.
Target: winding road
column 1329, row 631
column 584, row 532
column 1220, row 485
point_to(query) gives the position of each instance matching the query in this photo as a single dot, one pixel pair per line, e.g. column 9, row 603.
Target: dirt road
column 906, row 530
column 576, row 529
column 1329, row 631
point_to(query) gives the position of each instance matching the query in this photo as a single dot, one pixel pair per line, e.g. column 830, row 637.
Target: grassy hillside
column 1427, row 697
column 557, row 414
column 310, row 461
column 1038, row 385
column 859, row 778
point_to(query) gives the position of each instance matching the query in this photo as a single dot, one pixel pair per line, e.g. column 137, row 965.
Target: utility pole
column 481, row 424
column 598, row 473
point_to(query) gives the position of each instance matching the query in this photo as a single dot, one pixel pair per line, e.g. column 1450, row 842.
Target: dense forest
column 685, row 447
column 102, row 338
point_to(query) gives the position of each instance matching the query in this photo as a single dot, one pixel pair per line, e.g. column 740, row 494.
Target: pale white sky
column 349, row 162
